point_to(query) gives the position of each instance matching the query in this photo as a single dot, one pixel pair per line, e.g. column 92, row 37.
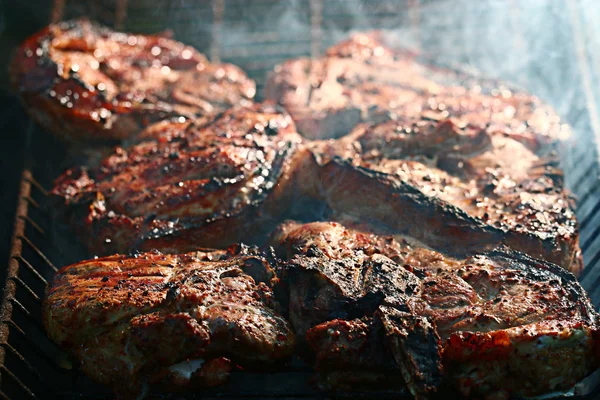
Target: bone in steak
column 364, row 80
column 189, row 184
column 170, row 321
column 83, row 81
column 377, row 307
column 500, row 187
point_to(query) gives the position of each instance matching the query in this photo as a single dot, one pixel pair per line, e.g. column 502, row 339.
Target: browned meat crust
column 365, row 80
column 83, row 81
column 461, row 166
column 187, row 185
column 501, row 323
column 167, row 320
column 495, row 187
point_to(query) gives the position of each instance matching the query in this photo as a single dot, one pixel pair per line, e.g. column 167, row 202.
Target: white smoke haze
column 550, row 48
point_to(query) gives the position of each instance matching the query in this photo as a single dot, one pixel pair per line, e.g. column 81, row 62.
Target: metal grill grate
column 256, row 37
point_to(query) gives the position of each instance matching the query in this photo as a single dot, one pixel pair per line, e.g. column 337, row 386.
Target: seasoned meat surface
column 85, row 82
column 167, row 320
column 476, row 161
column 505, row 191
column 187, row 185
column 498, row 322
column 364, row 80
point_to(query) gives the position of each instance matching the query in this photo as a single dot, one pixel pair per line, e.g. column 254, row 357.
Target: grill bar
column 32, row 269
column 10, row 288
column 24, row 387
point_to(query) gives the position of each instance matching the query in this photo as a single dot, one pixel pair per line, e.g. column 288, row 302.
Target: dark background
column 17, row 21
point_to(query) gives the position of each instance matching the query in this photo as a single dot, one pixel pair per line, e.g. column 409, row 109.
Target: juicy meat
column 364, row 80
column 189, row 184
column 83, row 81
column 497, row 322
column 167, row 320
column 476, row 162
column 492, row 185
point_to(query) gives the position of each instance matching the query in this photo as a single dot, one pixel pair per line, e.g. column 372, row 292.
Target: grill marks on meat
column 496, row 188
column 499, row 322
column 83, row 81
column 364, row 80
column 167, row 320
column 187, row 184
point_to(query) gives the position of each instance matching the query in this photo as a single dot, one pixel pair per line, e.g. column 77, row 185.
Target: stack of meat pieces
column 451, row 266
column 375, row 308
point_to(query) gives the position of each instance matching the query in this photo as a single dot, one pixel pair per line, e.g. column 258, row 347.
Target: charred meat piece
column 365, row 80
column 499, row 322
column 193, row 184
column 171, row 321
column 494, row 188
column 85, row 82
column 355, row 308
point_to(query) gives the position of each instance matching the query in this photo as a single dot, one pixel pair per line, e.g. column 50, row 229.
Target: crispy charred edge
column 465, row 350
column 443, row 224
column 458, row 226
column 412, row 341
column 542, row 270
column 499, row 346
column 416, row 348
column 352, row 368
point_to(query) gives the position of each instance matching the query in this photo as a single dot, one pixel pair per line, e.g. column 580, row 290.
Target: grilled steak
column 83, row 81
column 496, row 323
column 189, row 184
column 167, row 320
column 364, row 80
column 490, row 184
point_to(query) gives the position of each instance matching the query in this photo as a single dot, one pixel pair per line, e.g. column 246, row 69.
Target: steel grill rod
column 38, row 252
column 36, row 346
column 32, row 269
column 10, row 288
column 38, row 186
column 34, row 224
column 588, row 193
column 17, row 380
column 27, row 364
column 27, row 289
